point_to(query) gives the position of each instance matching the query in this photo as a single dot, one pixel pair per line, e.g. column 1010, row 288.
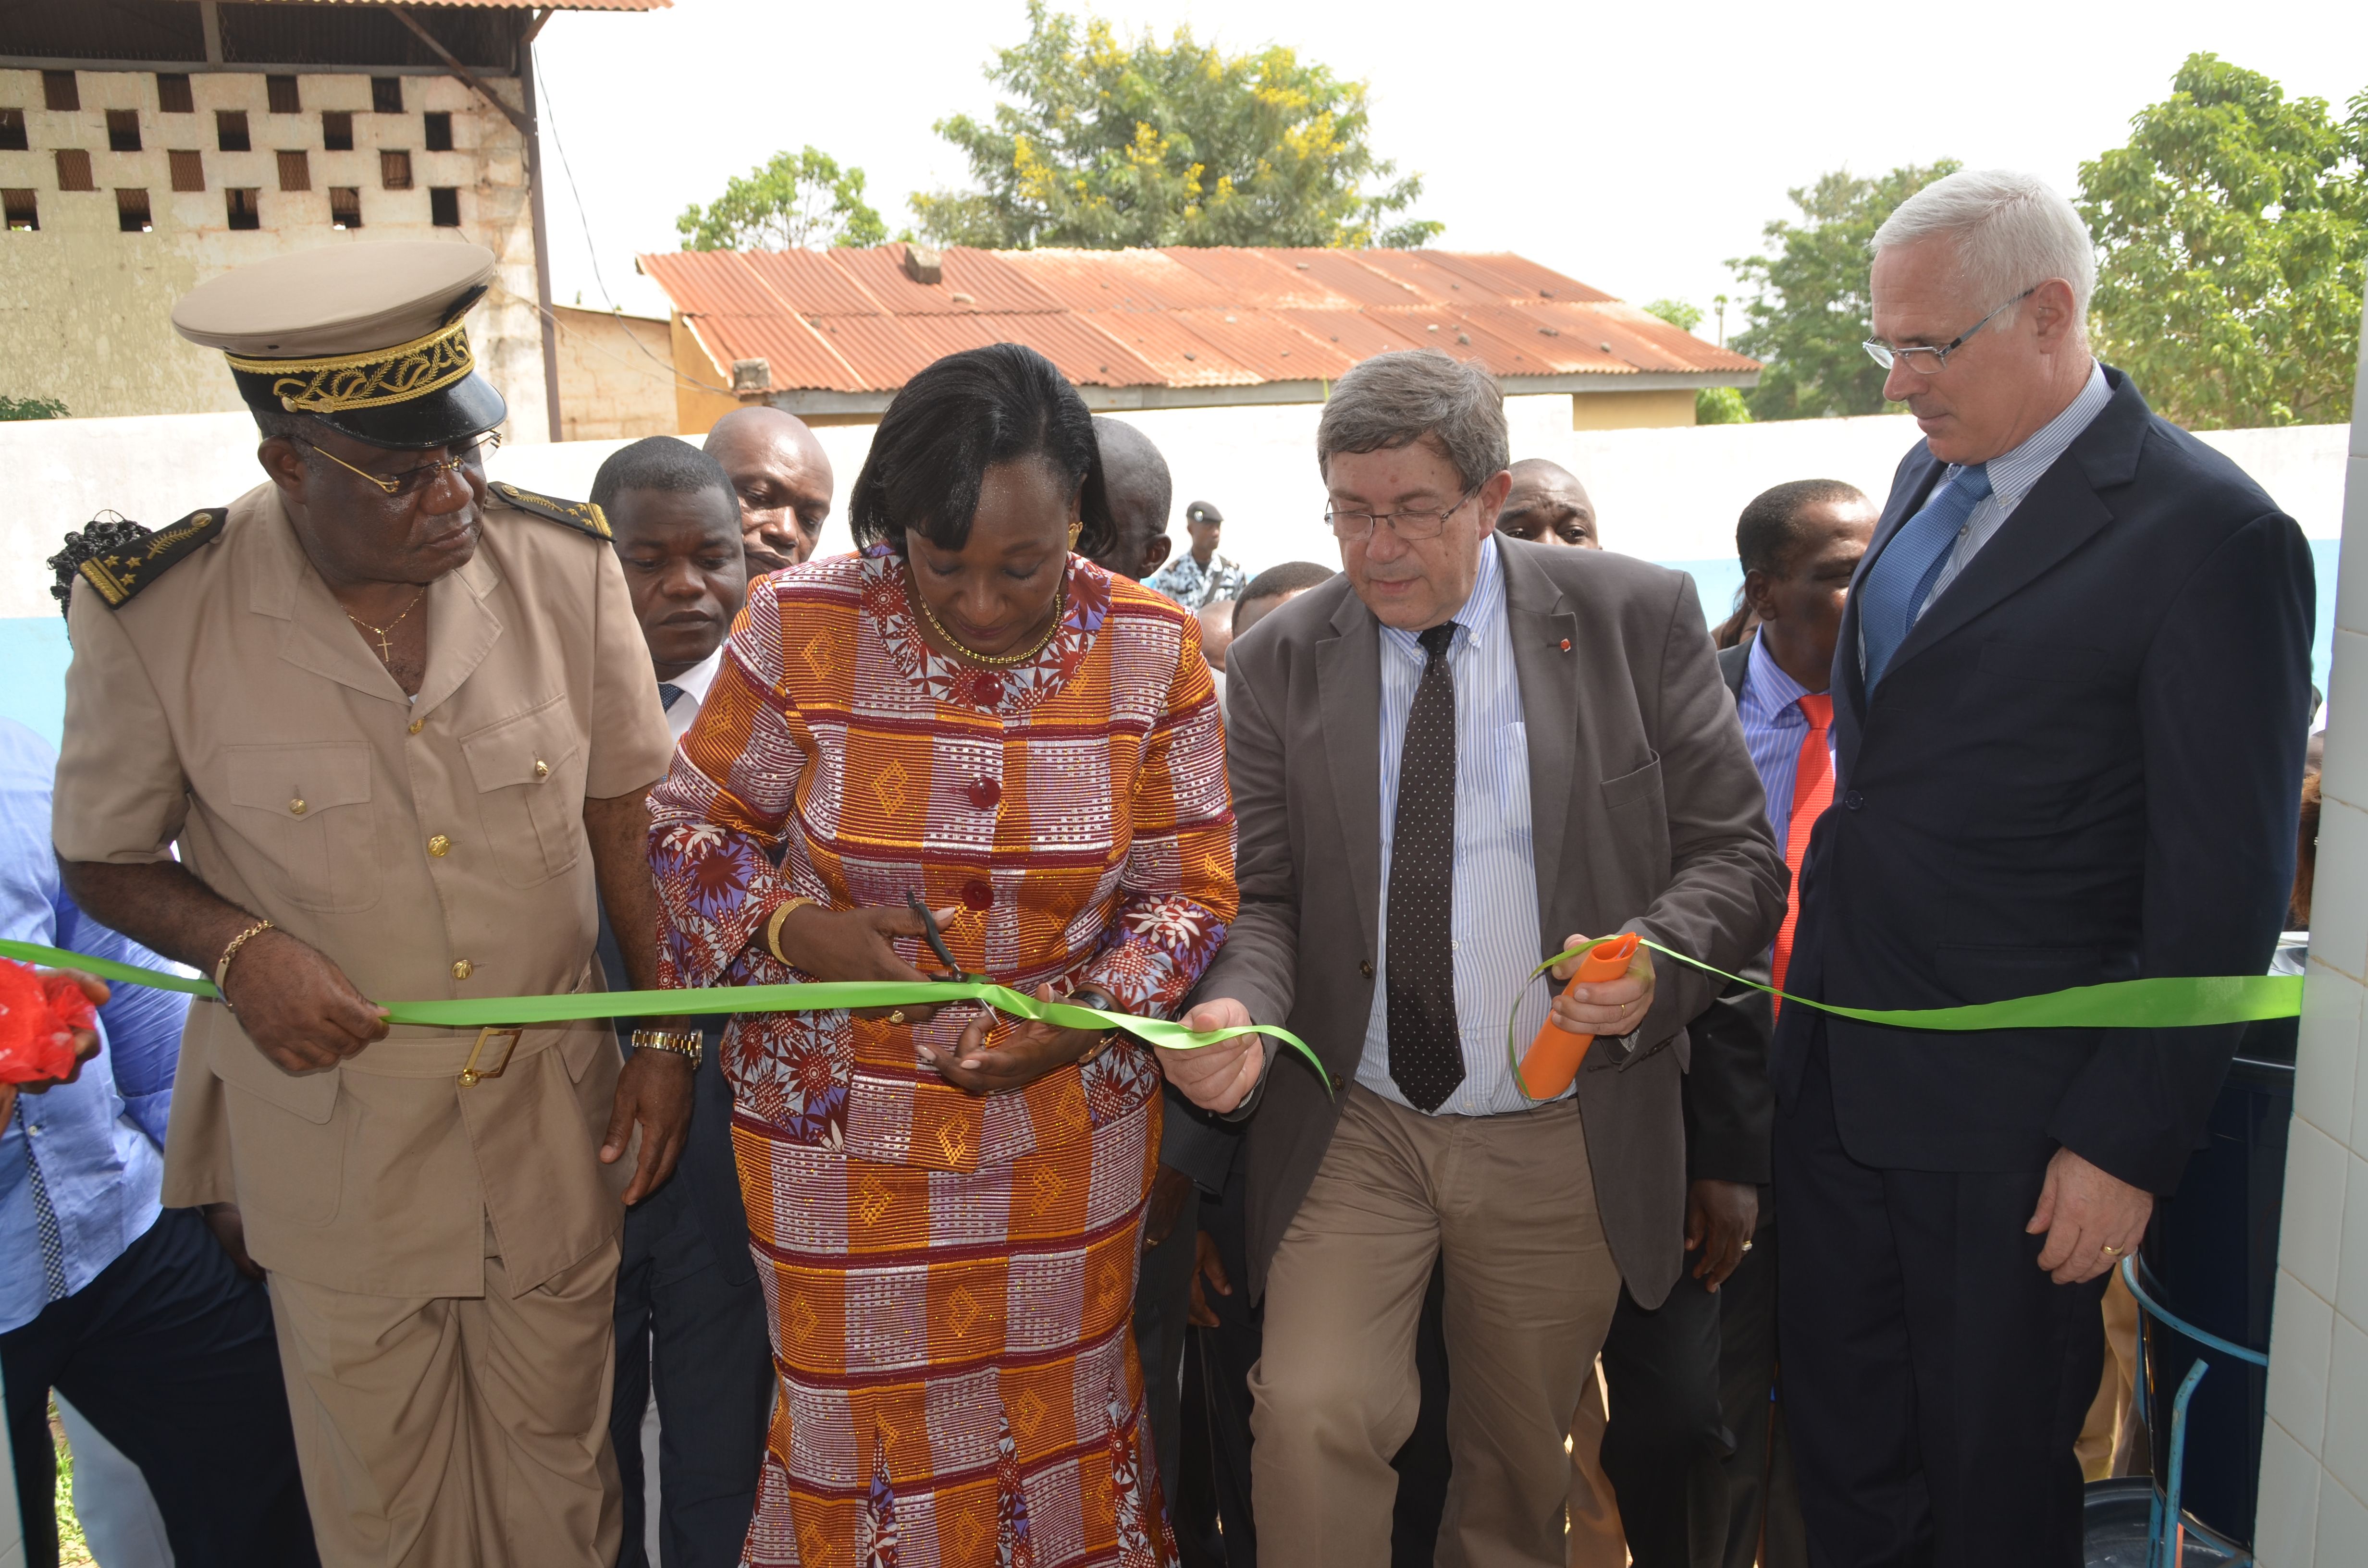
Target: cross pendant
column 385, row 648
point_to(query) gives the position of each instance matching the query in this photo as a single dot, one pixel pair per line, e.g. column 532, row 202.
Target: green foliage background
column 797, row 201
column 2230, row 236
column 1110, row 142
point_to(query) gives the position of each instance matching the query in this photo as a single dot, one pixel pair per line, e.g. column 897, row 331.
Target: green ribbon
column 503, row 1012
column 2165, row 1002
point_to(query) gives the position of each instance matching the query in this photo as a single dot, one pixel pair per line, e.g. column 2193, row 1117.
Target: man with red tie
column 1799, row 544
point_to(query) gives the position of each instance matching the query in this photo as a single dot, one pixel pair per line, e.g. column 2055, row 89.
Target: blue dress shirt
column 1773, row 727
column 1496, row 897
column 100, row 1138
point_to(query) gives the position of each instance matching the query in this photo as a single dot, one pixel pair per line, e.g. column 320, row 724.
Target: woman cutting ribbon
column 949, row 1205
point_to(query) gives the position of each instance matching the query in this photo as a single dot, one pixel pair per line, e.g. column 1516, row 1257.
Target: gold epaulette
column 123, row 566
column 582, row 516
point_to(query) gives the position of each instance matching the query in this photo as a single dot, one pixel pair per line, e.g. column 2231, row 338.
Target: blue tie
column 1910, row 565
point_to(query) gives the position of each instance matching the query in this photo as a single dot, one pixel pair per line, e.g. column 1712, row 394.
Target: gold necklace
column 1060, row 600
column 385, row 643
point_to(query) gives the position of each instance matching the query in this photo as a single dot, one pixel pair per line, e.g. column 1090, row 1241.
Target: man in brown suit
column 368, row 734
column 1446, row 762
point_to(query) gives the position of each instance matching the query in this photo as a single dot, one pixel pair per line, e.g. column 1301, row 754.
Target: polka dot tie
column 669, row 693
column 1426, row 1047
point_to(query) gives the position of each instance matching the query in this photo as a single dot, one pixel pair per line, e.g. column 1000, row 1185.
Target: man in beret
column 397, row 735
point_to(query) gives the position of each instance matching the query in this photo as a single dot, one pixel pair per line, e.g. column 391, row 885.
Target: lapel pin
column 1565, row 644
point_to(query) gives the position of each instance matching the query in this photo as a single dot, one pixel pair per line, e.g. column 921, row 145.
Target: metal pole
column 541, row 236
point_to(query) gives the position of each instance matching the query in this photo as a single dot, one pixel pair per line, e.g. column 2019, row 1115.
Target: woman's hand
column 853, row 944
column 1022, row 1056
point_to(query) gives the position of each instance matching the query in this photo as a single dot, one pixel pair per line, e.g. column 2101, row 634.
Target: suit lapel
column 2061, row 513
column 1349, row 697
column 1544, row 629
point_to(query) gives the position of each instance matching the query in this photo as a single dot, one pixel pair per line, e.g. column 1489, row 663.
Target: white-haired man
column 2067, row 713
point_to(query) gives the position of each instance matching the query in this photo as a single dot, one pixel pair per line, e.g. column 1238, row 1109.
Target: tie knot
column 1973, row 479
column 1436, row 640
column 1818, row 706
column 669, row 693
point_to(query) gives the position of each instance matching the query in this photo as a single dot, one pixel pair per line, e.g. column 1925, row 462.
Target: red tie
column 1813, row 791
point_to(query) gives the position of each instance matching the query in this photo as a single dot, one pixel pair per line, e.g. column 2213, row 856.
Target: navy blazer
column 2084, row 764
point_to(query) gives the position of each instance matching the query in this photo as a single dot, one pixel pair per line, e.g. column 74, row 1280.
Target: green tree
column 31, row 408
column 1113, row 142
column 1808, row 310
column 2230, row 235
column 799, row 201
column 1712, row 406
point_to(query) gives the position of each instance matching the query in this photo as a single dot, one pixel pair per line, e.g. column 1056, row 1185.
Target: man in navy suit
column 2069, row 704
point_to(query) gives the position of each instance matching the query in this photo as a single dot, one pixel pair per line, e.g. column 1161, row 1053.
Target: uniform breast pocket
column 308, row 808
column 530, row 776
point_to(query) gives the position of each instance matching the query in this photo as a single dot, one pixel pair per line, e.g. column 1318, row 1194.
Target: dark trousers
column 1211, row 1505
column 1934, row 1378
column 1762, row 1496
column 169, row 1352
column 701, row 1338
column 1163, row 1301
column 1666, row 1446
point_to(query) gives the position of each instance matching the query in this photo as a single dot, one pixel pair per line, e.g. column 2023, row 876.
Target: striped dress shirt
column 1773, row 726
column 1496, row 940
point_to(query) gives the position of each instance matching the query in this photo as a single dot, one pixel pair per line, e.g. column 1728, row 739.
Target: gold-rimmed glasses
column 411, row 481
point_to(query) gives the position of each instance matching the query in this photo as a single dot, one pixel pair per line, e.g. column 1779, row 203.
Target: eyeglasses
column 1413, row 524
column 411, row 481
column 1886, row 356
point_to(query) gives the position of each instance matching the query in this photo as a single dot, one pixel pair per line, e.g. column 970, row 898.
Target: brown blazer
column 1661, row 827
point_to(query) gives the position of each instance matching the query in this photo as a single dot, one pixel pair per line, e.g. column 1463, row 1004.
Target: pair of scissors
column 954, row 971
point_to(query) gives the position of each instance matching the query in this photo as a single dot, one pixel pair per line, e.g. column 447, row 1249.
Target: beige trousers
column 2111, row 1437
column 1596, row 1539
column 1508, row 1203
column 435, row 1432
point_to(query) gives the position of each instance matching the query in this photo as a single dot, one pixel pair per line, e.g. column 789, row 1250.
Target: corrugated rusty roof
column 857, row 321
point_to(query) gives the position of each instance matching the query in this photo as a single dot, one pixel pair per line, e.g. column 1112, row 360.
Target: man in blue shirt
column 130, row 1310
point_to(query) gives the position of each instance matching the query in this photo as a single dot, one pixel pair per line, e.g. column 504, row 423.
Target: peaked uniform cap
column 366, row 338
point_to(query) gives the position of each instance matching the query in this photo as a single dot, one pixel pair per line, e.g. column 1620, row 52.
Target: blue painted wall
column 34, row 652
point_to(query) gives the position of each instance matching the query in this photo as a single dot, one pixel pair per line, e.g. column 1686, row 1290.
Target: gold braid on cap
column 374, row 379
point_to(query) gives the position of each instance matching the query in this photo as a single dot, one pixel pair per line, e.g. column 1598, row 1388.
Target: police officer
column 397, row 732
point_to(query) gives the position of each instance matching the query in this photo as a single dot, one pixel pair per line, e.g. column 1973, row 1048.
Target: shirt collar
column 2012, row 474
column 700, row 676
column 1481, row 608
column 1769, row 695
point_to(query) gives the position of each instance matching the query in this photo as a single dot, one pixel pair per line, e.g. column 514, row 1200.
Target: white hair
column 2011, row 231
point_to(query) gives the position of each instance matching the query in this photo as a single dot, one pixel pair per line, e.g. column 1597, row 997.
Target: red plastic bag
column 38, row 1017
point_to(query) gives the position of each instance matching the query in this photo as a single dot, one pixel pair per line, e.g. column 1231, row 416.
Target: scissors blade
column 936, row 938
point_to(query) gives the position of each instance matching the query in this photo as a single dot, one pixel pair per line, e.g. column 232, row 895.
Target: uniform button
column 462, row 969
column 296, row 807
column 1366, row 969
column 416, row 725
column 440, row 847
column 986, row 793
column 977, row 895
column 1853, row 799
column 541, row 769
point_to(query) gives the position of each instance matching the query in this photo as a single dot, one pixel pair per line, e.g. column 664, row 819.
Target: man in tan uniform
column 398, row 732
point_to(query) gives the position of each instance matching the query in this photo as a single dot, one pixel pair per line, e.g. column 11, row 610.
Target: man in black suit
column 690, row 1312
column 2069, row 704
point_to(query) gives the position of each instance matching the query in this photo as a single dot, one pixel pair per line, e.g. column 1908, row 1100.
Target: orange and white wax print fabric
column 952, row 1276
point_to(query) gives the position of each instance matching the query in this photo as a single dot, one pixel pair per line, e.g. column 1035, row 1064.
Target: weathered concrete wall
column 1631, row 410
column 616, row 375
column 85, row 308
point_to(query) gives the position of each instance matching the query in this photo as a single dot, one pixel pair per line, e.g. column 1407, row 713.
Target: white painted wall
column 2314, row 1510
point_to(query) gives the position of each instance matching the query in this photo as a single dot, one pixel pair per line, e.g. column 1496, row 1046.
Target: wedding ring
column 2112, row 1251
column 1746, row 1246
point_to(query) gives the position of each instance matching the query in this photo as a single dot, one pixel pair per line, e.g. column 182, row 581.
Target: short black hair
column 1288, row 578
column 660, row 463
column 959, row 417
column 1770, row 530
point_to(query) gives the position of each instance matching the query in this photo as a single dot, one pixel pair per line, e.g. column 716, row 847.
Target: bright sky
column 1633, row 147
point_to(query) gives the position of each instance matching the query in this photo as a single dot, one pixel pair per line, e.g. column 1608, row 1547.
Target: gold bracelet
column 682, row 1042
column 222, row 969
column 773, row 927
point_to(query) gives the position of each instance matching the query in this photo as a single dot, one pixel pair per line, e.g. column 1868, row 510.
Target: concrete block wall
column 2314, row 1510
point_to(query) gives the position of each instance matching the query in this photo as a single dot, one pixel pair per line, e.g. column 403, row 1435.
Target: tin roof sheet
column 855, row 320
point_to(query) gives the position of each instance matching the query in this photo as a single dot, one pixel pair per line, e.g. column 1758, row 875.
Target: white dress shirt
column 694, row 682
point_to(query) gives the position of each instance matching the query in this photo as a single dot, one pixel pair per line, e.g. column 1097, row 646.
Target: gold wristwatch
column 682, row 1042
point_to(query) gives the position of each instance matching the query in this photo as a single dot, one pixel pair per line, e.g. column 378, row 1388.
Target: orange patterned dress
column 951, row 1277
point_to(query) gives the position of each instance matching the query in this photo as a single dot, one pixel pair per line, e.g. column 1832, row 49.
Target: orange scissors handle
column 1554, row 1057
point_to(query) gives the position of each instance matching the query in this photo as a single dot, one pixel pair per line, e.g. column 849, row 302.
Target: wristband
column 682, row 1042
column 773, row 927
column 222, row 968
